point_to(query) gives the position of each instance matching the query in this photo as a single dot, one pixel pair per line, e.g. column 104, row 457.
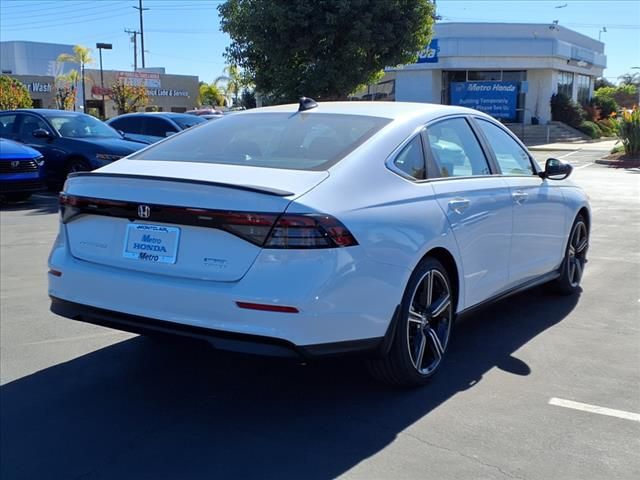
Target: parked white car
column 318, row 230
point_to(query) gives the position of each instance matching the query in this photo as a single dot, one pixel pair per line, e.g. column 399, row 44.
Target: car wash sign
column 498, row 99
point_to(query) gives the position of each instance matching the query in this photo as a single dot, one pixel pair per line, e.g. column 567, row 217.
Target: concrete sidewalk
column 604, row 146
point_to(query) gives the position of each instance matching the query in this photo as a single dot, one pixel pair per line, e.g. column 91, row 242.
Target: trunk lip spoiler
column 249, row 188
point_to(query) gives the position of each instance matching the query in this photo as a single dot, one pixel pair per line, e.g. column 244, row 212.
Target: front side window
column 411, row 159
column 131, row 125
column 455, row 149
column 511, row 157
column 30, row 124
column 157, row 127
column 299, row 141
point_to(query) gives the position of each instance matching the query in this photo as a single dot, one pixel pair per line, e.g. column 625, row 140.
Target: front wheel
column 78, row 165
column 575, row 258
column 423, row 328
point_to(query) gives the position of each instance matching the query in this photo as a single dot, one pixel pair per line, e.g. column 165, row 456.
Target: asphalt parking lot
column 523, row 394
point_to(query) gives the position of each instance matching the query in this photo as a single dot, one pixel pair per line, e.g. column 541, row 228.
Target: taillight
column 268, row 230
column 309, row 231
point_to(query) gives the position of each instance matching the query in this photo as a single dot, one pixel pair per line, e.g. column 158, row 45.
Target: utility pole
column 134, row 39
column 140, row 10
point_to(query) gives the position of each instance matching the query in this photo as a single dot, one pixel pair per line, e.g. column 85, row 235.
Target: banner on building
column 140, row 79
column 498, row 99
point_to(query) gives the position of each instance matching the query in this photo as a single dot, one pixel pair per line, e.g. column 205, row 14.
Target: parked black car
column 150, row 127
column 68, row 141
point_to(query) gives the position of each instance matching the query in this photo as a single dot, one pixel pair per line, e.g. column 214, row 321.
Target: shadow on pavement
column 39, row 204
column 143, row 409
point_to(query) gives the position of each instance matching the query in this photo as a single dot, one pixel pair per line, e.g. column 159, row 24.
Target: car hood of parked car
column 111, row 145
column 13, row 150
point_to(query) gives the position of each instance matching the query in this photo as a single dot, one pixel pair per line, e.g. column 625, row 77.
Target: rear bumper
column 223, row 340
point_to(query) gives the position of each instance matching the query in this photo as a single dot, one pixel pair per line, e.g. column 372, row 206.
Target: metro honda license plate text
column 151, row 243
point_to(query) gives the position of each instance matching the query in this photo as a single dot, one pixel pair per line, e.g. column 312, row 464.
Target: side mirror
column 41, row 133
column 555, row 169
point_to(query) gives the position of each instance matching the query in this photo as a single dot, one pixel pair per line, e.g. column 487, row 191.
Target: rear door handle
column 519, row 197
column 459, row 205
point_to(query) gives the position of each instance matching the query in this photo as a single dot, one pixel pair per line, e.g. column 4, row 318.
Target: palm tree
column 82, row 56
column 233, row 82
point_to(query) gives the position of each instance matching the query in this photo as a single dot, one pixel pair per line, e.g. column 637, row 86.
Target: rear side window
column 455, row 149
column 411, row 159
column 511, row 157
column 187, row 121
column 300, row 141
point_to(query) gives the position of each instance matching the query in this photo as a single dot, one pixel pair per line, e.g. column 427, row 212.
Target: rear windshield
column 299, row 141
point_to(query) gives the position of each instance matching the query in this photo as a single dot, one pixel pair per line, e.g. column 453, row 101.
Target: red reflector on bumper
column 55, row 273
column 267, row 308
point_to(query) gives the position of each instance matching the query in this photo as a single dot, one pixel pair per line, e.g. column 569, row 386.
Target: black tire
column 78, row 165
column 416, row 353
column 18, row 196
column 575, row 258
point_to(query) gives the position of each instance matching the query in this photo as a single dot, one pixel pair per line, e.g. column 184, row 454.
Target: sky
column 184, row 35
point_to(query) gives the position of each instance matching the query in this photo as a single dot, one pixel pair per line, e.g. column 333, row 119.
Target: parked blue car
column 151, row 127
column 69, row 141
column 20, row 170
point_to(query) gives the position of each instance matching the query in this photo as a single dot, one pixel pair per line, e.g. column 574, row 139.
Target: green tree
column 13, row 94
column 323, row 49
column 128, row 98
column 66, row 90
column 211, row 95
column 81, row 56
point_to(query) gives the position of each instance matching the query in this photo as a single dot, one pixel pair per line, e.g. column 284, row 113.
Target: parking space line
column 583, row 166
column 585, row 407
column 567, row 154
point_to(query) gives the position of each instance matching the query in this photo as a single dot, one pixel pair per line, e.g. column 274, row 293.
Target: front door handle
column 519, row 197
column 459, row 205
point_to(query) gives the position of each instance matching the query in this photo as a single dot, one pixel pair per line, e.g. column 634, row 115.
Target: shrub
column 607, row 105
column 608, row 127
column 590, row 129
column 563, row 109
column 592, row 111
column 13, row 94
column 624, row 96
column 629, row 130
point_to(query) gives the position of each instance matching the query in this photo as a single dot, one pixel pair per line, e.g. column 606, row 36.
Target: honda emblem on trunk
column 144, row 211
column 15, row 163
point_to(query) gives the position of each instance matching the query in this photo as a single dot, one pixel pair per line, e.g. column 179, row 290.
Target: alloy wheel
column 429, row 322
column 577, row 253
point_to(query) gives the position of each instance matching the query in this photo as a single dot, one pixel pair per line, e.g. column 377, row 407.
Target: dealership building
column 509, row 70
column 35, row 65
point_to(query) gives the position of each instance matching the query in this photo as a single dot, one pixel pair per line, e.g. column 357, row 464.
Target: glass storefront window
column 485, row 76
column 584, row 84
column 565, row 83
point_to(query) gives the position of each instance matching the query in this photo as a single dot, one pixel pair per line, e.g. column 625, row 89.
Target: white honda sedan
column 319, row 229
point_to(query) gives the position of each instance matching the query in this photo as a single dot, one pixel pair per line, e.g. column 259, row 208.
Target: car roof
column 390, row 110
column 44, row 111
column 159, row 114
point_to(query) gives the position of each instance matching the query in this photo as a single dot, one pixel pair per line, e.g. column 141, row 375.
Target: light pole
column 602, row 30
column 100, row 47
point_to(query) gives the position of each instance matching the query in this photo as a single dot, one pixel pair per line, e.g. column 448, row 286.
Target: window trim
column 390, row 162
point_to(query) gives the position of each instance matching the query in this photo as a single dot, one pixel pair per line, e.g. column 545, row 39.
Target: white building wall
column 418, row 86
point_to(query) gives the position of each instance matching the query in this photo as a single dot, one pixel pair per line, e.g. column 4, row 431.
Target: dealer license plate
column 151, row 243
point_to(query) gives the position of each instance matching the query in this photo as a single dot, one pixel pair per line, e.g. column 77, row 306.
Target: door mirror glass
column 556, row 169
column 41, row 133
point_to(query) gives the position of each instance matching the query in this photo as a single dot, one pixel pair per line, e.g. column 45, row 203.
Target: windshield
column 81, row 126
column 307, row 141
column 187, row 121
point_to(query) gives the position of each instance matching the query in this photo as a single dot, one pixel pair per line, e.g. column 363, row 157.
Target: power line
column 56, row 25
column 104, row 9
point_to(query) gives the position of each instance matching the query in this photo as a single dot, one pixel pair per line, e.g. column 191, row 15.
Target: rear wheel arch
column 584, row 211
column 71, row 159
column 448, row 261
